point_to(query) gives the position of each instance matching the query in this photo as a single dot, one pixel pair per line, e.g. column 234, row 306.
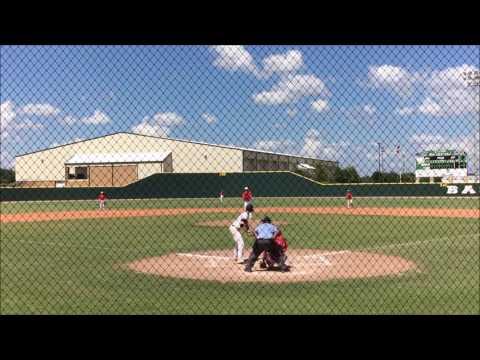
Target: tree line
column 350, row 175
column 7, row 176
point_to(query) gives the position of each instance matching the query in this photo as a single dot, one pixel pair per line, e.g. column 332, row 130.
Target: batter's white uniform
column 237, row 235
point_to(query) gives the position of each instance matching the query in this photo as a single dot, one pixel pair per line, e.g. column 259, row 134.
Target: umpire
column 264, row 241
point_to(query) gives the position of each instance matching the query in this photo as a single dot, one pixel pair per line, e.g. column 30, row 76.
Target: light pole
column 401, row 164
column 379, row 157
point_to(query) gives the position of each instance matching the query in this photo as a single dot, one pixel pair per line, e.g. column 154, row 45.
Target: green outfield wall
column 267, row 184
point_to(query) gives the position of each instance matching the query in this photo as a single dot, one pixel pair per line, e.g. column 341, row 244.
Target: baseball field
column 172, row 256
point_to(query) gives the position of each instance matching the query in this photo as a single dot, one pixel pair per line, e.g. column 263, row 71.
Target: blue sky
column 332, row 102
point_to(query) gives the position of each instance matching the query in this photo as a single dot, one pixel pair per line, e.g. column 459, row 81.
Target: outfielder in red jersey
column 101, row 200
column 247, row 197
column 349, row 197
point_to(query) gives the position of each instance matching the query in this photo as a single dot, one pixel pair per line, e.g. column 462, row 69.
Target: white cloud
column 445, row 91
column 209, row 118
column 29, row 124
column 40, row 110
column 289, row 62
column 428, row 140
column 234, row 57
column 7, row 113
column 69, row 120
column 429, row 107
column 315, row 146
column 274, row 145
column 405, row 111
column 96, row 118
column 168, row 119
column 159, row 125
column 387, row 74
column 449, row 90
column 291, row 88
column 152, row 130
column 291, row 113
column 394, row 78
column 369, row 109
column 320, row 105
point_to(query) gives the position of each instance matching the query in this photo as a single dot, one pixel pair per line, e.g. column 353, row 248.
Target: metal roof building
column 122, row 158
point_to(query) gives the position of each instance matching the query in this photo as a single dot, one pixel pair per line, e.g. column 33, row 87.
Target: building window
column 77, row 173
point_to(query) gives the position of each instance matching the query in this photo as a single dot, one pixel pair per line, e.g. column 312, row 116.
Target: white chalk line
column 204, row 256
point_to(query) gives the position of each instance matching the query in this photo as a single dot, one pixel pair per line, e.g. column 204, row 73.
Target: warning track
column 130, row 213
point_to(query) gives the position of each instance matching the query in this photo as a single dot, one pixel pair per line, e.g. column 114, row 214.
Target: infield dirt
column 307, row 265
column 127, row 213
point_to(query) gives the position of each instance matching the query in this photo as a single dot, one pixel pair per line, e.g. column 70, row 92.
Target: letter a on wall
column 468, row 190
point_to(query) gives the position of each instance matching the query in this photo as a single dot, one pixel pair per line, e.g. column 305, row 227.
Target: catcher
column 266, row 237
column 277, row 255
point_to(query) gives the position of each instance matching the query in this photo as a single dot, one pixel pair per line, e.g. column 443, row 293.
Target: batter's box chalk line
column 208, row 257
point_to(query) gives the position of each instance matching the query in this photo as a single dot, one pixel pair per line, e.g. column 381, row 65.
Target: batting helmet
column 249, row 208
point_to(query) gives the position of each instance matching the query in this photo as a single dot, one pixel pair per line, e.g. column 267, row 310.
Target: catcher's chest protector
column 281, row 241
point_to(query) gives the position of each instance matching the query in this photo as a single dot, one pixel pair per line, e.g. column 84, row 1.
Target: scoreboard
column 441, row 163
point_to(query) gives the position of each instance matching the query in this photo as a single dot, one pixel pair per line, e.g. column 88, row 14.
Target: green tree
column 408, row 177
column 346, row 175
column 338, row 175
column 321, row 174
column 351, row 175
column 377, row 177
column 7, row 176
column 391, row 177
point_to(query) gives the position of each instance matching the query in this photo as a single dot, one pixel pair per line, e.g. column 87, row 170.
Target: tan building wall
column 147, row 169
column 124, row 175
column 101, row 176
column 186, row 157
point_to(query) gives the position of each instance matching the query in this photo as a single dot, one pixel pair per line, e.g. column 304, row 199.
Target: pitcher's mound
column 305, row 265
column 227, row 223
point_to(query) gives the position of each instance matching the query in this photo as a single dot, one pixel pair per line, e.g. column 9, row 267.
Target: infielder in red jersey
column 101, row 200
column 349, row 197
column 247, row 197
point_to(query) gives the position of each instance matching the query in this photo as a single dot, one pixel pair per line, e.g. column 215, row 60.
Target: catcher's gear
column 281, row 241
column 276, row 255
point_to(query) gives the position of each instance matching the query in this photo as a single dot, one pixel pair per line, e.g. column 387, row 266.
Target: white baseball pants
column 239, row 243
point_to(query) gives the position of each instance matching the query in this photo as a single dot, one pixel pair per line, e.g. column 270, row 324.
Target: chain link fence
column 240, row 179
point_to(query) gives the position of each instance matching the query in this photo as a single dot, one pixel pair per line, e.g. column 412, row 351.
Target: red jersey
column 349, row 196
column 247, row 195
column 102, row 197
column 281, row 241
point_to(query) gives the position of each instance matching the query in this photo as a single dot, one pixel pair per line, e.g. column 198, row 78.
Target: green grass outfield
column 41, row 206
column 71, row 267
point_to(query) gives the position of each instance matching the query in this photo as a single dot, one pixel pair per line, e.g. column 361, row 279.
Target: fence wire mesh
column 240, row 179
